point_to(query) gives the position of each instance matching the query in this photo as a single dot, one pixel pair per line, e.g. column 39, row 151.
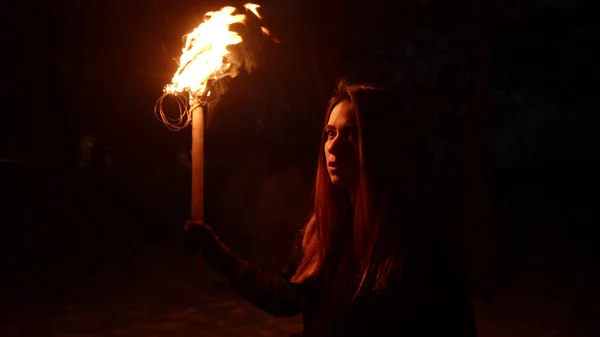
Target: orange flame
column 254, row 9
column 204, row 56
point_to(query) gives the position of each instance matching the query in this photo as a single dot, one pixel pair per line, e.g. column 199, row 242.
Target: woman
column 371, row 261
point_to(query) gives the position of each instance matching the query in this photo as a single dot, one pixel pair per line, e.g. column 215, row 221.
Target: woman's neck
column 352, row 195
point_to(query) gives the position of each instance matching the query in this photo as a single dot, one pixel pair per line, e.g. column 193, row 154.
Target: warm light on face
column 341, row 146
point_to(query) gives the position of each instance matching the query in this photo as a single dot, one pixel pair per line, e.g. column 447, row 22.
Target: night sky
column 94, row 187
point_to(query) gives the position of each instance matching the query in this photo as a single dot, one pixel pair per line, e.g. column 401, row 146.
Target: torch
column 204, row 60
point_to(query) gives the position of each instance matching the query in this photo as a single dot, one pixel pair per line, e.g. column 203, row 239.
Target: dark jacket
column 431, row 299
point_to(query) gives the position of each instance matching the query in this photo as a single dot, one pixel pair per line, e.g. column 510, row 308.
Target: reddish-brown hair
column 382, row 188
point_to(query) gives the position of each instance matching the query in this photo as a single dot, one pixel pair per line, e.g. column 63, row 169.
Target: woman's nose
column 334, row 144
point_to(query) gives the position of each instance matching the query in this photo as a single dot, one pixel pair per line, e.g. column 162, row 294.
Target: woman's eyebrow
column 343, row 127
column 349, row 127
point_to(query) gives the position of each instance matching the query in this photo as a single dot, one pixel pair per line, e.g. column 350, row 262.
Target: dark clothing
column 430, row 300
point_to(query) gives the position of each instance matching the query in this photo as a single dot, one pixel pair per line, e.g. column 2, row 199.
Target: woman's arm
column 268, row 290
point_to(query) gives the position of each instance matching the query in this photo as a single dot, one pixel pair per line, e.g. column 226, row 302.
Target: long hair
column 386, row 132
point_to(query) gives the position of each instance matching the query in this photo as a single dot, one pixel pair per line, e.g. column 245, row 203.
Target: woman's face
column 341, row 147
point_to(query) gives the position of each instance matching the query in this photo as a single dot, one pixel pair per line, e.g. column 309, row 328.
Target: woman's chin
column 338, row 181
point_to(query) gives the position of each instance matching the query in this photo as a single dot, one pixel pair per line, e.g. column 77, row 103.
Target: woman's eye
column 330, row 134
column 352, row 137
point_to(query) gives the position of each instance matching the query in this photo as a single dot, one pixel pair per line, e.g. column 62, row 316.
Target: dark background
column 93, row 183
